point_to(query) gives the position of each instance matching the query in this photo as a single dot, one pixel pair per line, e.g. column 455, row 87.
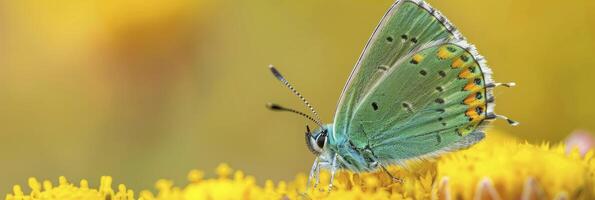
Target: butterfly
column 418, row 90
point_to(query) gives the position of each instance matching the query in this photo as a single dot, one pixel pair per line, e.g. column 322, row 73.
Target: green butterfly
column 418, row 90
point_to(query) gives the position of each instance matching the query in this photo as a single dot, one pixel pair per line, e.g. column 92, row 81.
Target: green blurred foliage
column 142, row 90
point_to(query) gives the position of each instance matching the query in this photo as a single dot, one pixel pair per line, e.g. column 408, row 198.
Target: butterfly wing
column 405, row 27
column 417, row 89
column 432, row 100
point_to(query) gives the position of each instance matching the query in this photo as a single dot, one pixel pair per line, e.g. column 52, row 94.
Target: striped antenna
column 280, row 77
column 277, row 107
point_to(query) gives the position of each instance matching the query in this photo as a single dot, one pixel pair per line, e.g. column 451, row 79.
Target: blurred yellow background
column 142, row 90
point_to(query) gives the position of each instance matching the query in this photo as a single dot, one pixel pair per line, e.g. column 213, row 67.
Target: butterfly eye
column 320, row 140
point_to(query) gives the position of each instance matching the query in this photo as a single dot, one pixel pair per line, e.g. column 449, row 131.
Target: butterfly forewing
column 406, row 27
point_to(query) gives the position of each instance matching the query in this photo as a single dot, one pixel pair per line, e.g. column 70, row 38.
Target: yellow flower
column 67, row 190
column 498, row 168
column 506, row 169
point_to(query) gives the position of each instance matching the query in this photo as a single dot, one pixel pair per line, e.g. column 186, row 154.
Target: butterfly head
column 317, row 140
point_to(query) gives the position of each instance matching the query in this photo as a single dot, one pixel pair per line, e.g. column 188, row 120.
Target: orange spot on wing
column 478, row 119
column 471, row 86
column 418, row 58
column 473, row 96
column 477, row 103
column 443, row 53
column 470, row 99
column 457, row 63
column 471, row 113
column 466, row 73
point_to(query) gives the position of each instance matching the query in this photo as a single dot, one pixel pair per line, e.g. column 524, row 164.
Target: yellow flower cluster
column 66, row 190
column 498, row 168
column 502, row 168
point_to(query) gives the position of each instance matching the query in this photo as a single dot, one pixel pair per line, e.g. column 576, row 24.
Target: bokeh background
column 143, row 90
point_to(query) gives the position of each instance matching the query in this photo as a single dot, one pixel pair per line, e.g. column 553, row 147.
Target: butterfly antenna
column 276, row 107
column 278, row 75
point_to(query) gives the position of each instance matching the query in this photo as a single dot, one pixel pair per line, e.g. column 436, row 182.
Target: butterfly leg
column 312, row 171
column 375, row 163
column 395, row 179
column 333, row 170
column 317, row 175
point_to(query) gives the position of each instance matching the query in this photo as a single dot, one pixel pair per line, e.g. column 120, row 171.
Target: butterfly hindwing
column 404, row 28
column 429, row 102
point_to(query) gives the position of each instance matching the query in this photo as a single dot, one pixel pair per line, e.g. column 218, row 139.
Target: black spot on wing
column 479, row 110
column 404, row 37
column 477, row 81
column 407, row 106
column 442, row 73
column 465, row 58
column 472, row 69
column 478, row 95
